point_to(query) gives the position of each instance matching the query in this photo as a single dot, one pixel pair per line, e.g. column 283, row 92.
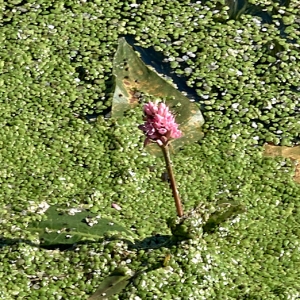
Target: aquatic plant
column 160, row 127
column 56, row 66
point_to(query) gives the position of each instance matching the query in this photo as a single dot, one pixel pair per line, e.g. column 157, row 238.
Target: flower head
column 160, row 125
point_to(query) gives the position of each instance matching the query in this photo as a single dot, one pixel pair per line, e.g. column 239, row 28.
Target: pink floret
column 159, row 123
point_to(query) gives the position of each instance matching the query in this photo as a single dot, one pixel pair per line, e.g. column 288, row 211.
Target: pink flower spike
column 160, row 124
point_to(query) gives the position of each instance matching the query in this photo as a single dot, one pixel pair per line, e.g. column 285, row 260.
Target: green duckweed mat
column 240, row 59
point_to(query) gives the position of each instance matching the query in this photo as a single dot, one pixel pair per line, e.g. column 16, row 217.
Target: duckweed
column 242, row 63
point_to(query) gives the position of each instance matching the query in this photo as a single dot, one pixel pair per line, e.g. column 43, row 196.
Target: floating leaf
column 110, row 286
column 133, row 78
column 287, row 152
column 63, row 228
column 115, row 283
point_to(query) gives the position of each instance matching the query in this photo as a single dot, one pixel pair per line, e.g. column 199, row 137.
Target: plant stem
column 165, row 149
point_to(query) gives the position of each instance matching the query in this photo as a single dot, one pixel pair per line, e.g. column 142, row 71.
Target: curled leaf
column 133, row 79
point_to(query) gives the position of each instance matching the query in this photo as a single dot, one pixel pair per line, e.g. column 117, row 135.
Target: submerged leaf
column 63, row 228
column 287, row 152
column 133, row 78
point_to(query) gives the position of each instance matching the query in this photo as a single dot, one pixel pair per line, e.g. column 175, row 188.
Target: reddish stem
column 165, row 149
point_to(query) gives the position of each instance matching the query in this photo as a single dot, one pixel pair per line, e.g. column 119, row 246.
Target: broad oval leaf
column 133, row 77
column 63, row 228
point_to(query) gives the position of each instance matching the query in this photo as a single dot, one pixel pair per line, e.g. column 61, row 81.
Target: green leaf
column 115, row 283
column 110, row 286
column 63, row 228
column 226, row 210
column 133, row 77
